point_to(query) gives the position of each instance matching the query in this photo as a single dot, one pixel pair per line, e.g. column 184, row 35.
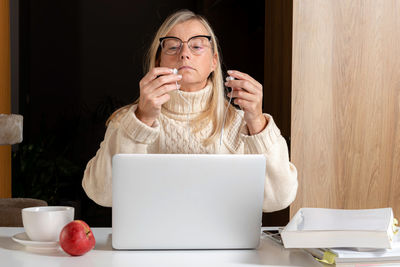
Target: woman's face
column 194, row 69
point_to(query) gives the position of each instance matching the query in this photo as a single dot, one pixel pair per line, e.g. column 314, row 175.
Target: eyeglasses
column 173, row 45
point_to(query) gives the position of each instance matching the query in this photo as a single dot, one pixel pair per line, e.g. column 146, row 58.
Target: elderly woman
column 182, row 108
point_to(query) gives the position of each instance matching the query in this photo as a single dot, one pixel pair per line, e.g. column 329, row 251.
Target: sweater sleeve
column 281, row 175
column 125, row 134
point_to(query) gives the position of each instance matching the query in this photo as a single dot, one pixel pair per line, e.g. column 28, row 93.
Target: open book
column 329, row 228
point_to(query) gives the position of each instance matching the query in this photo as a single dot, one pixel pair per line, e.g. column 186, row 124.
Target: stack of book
column 351, row 257
column 345, row 237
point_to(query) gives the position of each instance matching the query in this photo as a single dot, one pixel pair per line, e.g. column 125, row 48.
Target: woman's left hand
column 248, row 95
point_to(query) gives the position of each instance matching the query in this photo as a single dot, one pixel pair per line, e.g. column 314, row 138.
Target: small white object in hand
column 229, row 78
column 175, row 71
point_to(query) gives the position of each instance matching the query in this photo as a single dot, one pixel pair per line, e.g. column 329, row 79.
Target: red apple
column 76, row 238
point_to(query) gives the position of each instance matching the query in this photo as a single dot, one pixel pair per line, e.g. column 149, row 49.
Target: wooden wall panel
column 346, row 103
column 5, row 97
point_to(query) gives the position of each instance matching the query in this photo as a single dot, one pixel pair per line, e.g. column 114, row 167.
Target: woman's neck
column 189, row 102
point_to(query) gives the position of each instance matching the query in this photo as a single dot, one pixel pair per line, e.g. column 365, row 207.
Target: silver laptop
column 187, row 201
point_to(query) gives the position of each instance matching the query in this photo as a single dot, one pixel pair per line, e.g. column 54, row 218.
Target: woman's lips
column 186, row 68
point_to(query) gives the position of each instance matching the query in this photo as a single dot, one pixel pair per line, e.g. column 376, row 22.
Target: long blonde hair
column 215, row 112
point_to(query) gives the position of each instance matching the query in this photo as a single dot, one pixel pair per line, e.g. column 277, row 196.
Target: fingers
column 245, row 87
column 160, row 78
column 160, row 100
column 242, row 94
column 245, row 105
column 247, row 94
column 166, row 79
column 243, row 76
column 153, row 74
column 165, row 89
column 245, row 82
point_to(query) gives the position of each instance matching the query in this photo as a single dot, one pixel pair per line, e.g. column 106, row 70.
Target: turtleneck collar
column 197, row 101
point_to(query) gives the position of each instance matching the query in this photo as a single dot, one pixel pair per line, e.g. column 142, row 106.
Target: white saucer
column 23, row 239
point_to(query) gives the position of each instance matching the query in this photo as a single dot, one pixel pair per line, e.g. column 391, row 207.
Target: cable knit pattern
column 257, row 143
column 138, row 131
column 232, row 139
column 176, row 138
column 170, row 134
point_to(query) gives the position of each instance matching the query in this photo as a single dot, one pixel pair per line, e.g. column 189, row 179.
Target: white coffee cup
column 45, row 223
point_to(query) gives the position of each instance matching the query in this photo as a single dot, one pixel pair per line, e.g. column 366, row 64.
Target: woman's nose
column 185, row 51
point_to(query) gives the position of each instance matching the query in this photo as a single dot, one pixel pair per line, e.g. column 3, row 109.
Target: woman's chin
column 192, row 86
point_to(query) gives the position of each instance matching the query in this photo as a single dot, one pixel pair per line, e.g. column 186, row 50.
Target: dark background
column 81, row 60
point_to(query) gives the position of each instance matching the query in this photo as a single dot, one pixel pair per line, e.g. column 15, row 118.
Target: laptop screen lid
column 187, row 201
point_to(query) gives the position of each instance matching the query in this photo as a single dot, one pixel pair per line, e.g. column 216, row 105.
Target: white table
column 269, row 253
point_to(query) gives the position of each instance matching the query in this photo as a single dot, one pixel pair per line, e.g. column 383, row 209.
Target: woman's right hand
column 154, row 88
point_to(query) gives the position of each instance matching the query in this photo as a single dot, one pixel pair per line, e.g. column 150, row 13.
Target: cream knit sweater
column 169, row 134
